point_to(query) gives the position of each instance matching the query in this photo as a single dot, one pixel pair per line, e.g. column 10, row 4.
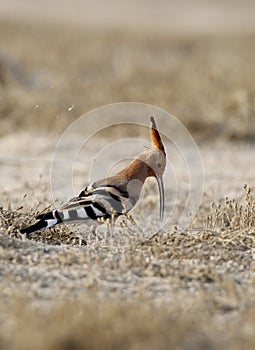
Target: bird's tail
column 46, row 220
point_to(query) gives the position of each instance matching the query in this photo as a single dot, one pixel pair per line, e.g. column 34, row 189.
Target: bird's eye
column 158, row 165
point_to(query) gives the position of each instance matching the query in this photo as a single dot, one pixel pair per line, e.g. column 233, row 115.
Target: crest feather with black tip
column 155, row 137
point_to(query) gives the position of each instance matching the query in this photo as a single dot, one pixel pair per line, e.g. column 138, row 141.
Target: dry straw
column 233, row 215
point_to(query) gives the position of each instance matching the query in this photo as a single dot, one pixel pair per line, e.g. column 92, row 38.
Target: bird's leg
column 92, row 232
column 110, row 225
column 113, row 219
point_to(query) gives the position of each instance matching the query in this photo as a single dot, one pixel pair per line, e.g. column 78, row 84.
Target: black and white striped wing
column 100, row 202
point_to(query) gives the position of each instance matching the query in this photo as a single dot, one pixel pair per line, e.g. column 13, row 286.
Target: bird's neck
column 136, row 170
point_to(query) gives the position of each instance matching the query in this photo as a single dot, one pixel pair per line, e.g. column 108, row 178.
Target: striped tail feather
column 73, row 212
column 45, row 220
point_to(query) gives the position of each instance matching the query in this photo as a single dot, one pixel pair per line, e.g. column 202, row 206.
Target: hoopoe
column 113, row 196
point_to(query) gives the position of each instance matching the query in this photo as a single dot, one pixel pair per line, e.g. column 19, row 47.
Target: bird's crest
column 155, row 137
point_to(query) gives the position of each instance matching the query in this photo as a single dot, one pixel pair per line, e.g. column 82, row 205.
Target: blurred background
column 59, row 60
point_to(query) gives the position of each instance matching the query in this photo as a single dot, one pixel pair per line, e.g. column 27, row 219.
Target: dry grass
column 232, row 215
column 177, row 289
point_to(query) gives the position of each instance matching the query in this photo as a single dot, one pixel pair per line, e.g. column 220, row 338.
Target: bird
column 109, row 198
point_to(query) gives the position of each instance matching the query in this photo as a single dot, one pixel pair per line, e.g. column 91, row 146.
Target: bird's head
column 155, row 158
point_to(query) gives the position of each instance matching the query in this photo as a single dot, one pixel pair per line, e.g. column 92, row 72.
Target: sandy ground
column 179, row 288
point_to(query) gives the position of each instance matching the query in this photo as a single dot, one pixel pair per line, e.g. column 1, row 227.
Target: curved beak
column 161, row 195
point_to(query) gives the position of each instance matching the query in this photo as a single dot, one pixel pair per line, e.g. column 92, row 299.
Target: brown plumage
column 113, row 196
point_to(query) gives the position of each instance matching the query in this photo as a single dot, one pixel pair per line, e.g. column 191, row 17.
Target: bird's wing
column 81, row 197
column 102, row 198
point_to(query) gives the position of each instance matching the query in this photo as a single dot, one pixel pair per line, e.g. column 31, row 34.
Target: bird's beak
column 161, row 196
